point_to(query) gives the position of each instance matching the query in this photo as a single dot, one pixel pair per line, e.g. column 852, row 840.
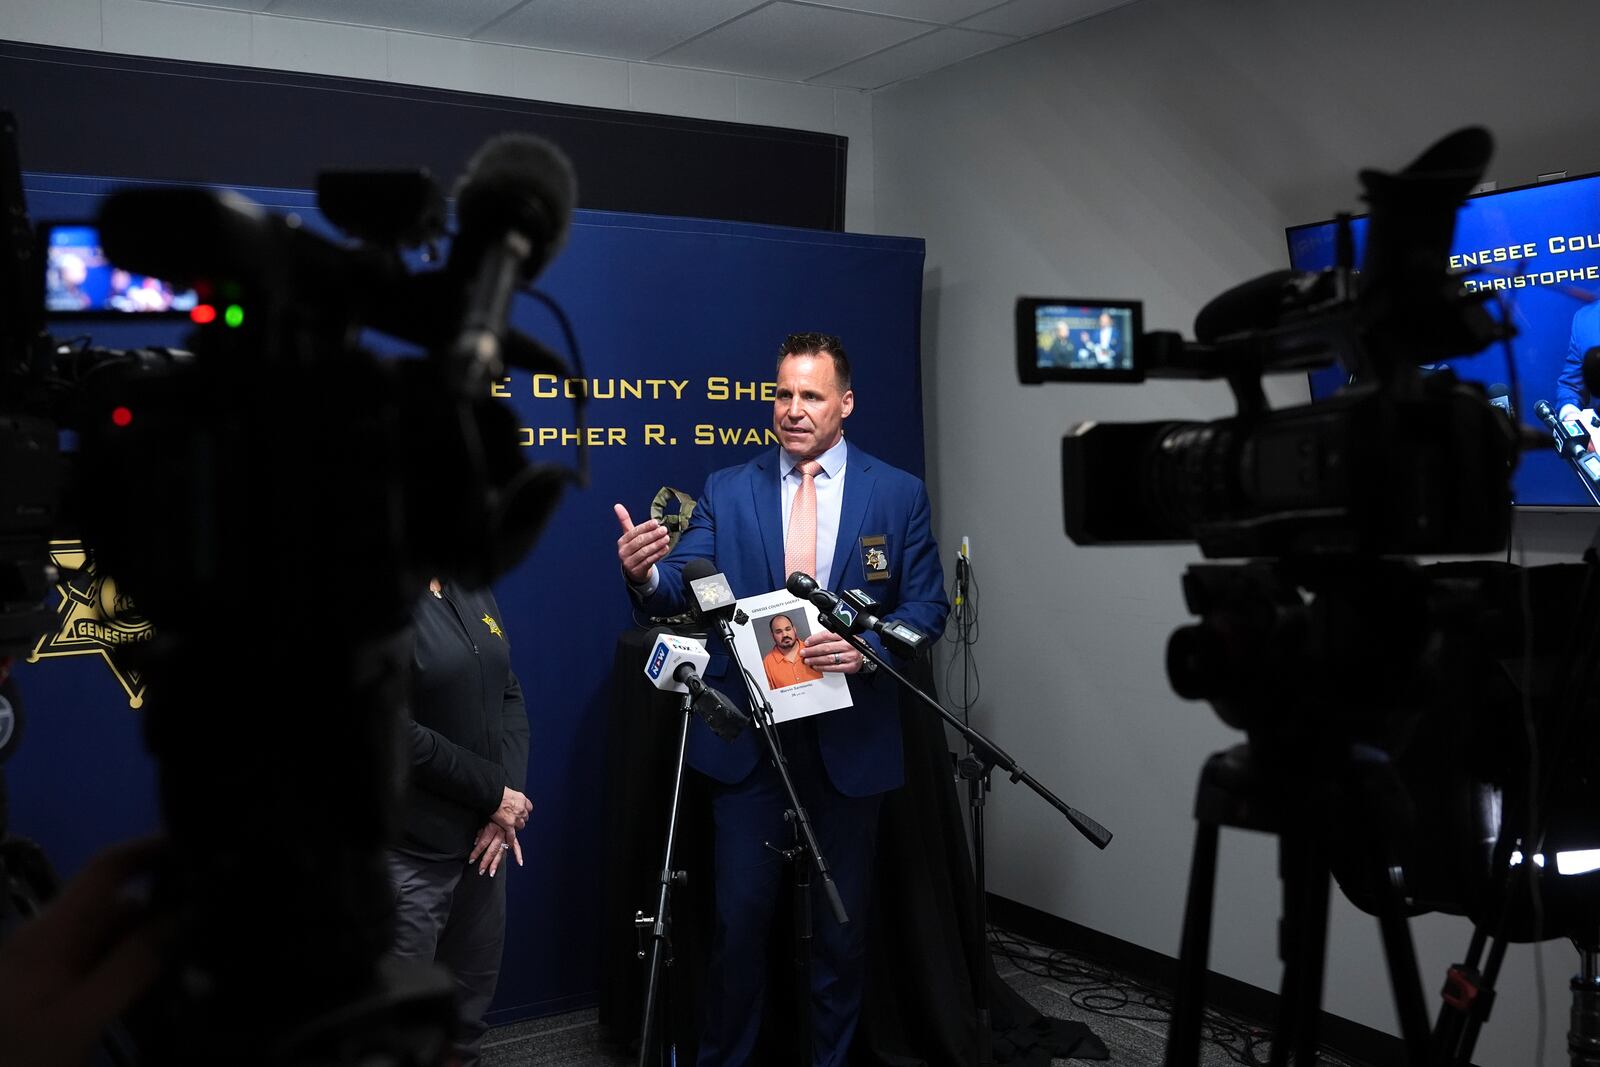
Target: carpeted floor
column 1130, row 1018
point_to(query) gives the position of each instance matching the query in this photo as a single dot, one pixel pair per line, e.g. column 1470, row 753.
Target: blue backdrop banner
column 679, row 323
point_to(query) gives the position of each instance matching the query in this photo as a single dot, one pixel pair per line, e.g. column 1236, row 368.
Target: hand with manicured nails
column 491, row 846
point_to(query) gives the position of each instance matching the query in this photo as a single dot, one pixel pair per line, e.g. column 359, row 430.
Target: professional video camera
column 273, row 501
column 1415, row 731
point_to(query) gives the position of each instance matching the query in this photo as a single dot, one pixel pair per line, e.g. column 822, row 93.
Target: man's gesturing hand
column 513, row 811
column 641, row 546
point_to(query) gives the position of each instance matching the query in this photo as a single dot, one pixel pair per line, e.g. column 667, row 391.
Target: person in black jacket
column 465, row 802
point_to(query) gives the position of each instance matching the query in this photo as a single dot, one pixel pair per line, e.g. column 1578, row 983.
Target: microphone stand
column 983, row 755
column 660, row 924
column 805, row 843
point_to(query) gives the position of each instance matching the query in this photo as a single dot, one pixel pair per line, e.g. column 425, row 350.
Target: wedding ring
column 836, row 659
column 504, row 848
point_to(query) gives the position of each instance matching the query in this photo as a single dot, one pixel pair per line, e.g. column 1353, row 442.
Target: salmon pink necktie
column 800, row 545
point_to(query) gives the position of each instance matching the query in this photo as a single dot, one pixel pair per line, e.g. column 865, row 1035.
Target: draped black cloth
column 926, row 952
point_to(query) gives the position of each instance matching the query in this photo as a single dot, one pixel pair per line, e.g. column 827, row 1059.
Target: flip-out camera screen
column 1074, row 339
column 80, row 282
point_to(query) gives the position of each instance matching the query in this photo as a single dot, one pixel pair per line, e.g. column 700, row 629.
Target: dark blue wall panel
column 653, row 300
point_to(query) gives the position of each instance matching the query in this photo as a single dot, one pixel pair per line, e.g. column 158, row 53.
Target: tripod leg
column 1183, row 1040
column 800, row 858
column 1583, row 1034
column 653, row 1025
column 1313, row 952
column 1289, row 938
column 1404, row 977
column 1303, row 939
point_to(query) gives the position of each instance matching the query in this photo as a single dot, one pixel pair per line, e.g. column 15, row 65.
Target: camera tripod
column 1238, row 789
column 1349, row 773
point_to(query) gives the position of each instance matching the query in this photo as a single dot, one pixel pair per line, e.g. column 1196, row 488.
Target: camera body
column 1420, row 467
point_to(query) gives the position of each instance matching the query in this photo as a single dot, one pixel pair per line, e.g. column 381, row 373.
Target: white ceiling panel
column 791, row 42
column 454, row 19
column 859, row 44
column 621, row 29
column 1024, row 18
column 231, row 5
column 940, row 11
column 920, row 56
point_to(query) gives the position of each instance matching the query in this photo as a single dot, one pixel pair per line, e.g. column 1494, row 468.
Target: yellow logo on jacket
column 494, row 627
column 96, row 618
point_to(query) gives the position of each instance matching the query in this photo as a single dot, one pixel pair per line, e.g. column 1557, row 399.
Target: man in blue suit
column 852, row 521
column 1571, row 394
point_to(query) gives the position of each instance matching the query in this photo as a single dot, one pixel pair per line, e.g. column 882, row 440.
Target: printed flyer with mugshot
column 769, row 641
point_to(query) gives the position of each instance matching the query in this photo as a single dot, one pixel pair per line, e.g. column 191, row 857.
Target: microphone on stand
column 848, row 617
column 1571, row 440
column 711, row 597
column 1500, row 397
column 675, row 664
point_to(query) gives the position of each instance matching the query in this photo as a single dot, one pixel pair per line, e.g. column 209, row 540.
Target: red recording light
column 203, row 314
column 121, row 416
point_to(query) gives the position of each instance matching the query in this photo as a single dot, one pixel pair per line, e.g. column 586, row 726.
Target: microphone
column 711, row 597
column 897, row 635
column 837, row 616
column 675, row 664
column 849, row 614
column 673, row 661
column 1571, row 439
column 513, row 209
column 1500, row 397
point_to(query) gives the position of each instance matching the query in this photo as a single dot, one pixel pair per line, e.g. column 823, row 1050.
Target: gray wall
column 1158, row 151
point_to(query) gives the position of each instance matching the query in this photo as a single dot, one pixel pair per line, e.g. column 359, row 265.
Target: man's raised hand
column 640, row 547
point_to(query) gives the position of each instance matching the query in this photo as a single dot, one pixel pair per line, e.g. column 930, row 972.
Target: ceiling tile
column 791, row 42
column 940, row 11
column 621, row 29
column 455, row 19
column 1024, row 18
column 927, row 53
column 231, row 5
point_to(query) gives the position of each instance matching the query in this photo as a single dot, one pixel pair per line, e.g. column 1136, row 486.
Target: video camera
column 1398, row 462
column 1414, row 731
column 274, row 500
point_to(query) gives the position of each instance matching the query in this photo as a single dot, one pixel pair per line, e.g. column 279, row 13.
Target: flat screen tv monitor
column 1538, row 248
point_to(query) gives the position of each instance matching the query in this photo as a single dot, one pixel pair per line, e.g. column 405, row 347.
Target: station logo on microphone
column 658, row 660
column 94, row 617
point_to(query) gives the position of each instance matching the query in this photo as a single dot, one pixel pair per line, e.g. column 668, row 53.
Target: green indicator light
column 234, row 316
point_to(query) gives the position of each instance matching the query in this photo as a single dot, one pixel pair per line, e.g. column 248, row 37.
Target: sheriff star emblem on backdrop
column 95, row 617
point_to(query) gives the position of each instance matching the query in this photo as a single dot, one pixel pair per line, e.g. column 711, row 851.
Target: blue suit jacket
column 738, row 525
column 1585, row 335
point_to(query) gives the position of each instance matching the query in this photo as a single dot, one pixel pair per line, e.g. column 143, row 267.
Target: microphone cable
column 962, row 632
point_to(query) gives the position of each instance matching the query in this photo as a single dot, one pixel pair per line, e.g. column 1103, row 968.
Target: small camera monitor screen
column 80, row 282
column 1073, row 339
